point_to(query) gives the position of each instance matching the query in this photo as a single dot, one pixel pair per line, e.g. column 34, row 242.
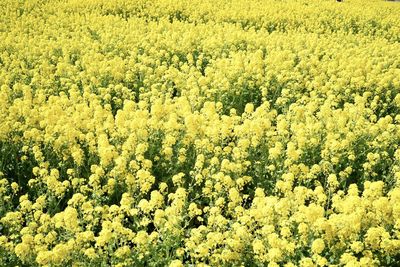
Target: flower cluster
column 199, row 133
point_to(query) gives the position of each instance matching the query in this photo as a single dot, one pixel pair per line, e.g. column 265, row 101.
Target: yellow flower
column 318, row 246
column 71, row 219
column 22, row 250
column 44, row 257
column 90, row 253
column 176, row 263
column 258, row 247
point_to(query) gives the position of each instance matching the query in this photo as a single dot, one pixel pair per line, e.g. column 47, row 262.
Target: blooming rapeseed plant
column 199, row 133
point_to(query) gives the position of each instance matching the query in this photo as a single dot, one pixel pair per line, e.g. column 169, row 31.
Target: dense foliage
column 202, row 132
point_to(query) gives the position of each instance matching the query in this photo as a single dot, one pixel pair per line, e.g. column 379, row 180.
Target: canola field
column 199, row 133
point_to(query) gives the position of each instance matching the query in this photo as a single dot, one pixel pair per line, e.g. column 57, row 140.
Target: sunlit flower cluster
column 199, row 133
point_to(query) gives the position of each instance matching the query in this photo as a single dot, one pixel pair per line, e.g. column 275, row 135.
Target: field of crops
column 199, row 133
